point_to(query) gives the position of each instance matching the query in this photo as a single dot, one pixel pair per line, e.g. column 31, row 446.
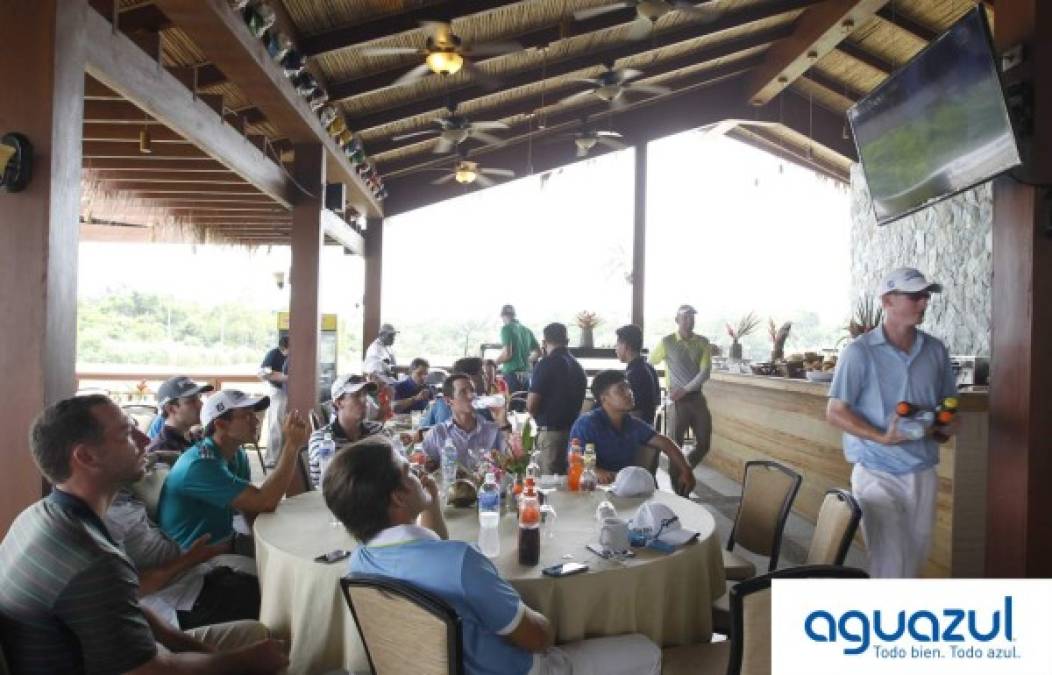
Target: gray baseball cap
column 180, row 386
column 387, row 329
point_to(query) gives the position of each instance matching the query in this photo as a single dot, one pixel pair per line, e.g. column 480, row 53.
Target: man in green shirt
column 520, row 347
column 687, row 361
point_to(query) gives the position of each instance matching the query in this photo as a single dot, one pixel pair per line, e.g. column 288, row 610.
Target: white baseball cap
column 230, row 399
column 650, row 517
column 351, row 384
column 907, row 280
column 633, row 481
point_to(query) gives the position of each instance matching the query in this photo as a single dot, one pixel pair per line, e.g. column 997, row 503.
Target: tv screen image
column 937, row 126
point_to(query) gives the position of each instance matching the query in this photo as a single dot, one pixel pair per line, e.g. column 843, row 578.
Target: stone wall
column 951, row 242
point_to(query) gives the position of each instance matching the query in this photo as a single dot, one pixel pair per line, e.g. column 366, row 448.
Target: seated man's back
column 488, row 606
column 68, row 594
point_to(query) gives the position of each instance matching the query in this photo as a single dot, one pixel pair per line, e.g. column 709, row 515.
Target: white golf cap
column 230, row 399
column 351, row 384
column 907, row 280
column 650, row 517
column 633, row 481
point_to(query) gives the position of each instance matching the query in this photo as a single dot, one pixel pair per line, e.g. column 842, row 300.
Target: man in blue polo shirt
column 618, row 436
column 211, row 480
column 556, row 393
column 412, row 393
column 894, row 478
column 398, row 518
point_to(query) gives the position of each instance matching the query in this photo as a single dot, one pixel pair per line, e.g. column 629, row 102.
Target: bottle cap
column 491, row 478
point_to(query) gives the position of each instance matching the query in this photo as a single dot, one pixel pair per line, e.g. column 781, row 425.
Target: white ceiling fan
column 613, row 85
column 454, row 129
column 649, row 11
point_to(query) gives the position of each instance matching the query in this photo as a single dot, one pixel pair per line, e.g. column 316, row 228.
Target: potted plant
column 746, row 325
column 868, row 315
column 587, row 321
column 778, row 338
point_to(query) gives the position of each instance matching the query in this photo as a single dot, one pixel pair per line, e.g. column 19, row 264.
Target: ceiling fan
column 445, row 54
column 467, row 172
column 454, row 129
column 725, row 126
column 612, row 86
column 649, row 11
column 587, row 138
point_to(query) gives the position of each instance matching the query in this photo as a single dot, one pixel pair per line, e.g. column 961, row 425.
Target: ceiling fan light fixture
column 586, row 143
column 465, row 175
column 445, row 62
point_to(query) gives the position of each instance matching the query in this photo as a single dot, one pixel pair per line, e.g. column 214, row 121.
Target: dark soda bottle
column 529, row 527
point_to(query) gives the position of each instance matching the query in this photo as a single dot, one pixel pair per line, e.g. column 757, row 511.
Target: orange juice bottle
column 576, row 466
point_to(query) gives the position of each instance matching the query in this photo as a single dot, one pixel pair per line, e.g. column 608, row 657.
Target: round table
column 666, row 597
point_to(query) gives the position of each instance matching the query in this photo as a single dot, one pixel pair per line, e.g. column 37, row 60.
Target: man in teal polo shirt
column 211, row 480
column 519, row 347
column 894, row 478
column 619, row 437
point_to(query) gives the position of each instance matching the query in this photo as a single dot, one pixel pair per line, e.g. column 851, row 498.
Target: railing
column 141, row 386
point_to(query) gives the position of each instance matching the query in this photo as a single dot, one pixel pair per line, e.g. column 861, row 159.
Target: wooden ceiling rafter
column 863, row 55
column 892, row 15
column 145, row 164
column 607, row 54
column 202, row 188
column 163, row 176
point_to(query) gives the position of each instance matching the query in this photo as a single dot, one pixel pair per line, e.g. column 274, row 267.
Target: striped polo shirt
column 68, row 594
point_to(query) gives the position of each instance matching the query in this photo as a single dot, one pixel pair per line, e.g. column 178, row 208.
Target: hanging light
column 145, row 143
column 445, row 62
column 465, row 173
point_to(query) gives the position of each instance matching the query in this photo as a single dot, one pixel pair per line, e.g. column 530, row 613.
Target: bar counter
column 756, row 417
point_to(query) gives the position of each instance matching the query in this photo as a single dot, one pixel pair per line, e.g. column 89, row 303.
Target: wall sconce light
column 16, row 162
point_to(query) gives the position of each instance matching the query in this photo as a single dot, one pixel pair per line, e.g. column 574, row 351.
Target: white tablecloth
column 665, row 597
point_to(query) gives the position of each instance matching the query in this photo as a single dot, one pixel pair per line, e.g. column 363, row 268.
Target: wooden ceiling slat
column 95, row 131
column 230, row 178
column 860, row 53
column 446, row 10
column 834, row 85
column 111, row 149
column 143, row 163
column 166, row 200
column 607, row 54
column 198, row 188
column 904, row 22
column 205, row 210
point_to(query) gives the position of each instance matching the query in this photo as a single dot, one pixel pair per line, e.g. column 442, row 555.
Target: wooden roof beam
column 94, row 131
column 143, row 163
column 863, row 55
column 229, row 178
column 222, row 36
column 834, row 85
column 818, row 31
column 115, row 61
column 904, row 22
column 466, row 89
column 338, row 230
column 445, row 10
column 202, row 188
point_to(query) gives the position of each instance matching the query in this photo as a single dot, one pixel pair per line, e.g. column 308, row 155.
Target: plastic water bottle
column 589, row 480
column 489, row 517
column 326, row 451
column 486, row 402
column 398, row 446
column 449, row 462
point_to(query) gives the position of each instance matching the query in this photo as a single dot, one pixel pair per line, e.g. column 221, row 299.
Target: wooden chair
column 837, row 523
column 768, row 491
column 403, row 628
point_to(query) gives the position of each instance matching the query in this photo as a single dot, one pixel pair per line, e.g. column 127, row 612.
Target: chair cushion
column 702, row 659
column 736, row 567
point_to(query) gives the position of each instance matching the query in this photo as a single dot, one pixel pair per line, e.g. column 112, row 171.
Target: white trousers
column 275, row 416
column 619, row 655
column 898, row 514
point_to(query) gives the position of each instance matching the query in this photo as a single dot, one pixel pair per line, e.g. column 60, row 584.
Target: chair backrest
column 304, row 464
column 837, row 522
column 403, row 628
column 750, row 603
column 148, row 488
column 768, row 491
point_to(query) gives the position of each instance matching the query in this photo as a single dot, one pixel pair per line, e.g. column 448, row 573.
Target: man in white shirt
column 379, row 358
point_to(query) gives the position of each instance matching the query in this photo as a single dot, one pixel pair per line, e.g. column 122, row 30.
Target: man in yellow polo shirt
column 687, row 361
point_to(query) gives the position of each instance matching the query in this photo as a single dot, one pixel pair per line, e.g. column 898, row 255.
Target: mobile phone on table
column 333, row 556
column 565, row 569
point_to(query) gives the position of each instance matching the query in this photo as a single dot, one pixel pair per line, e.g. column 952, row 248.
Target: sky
column 731, row 229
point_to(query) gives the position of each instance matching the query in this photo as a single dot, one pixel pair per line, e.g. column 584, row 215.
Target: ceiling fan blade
column 611, row 143
column 483, row 181
column 489, row 126
column 440, row 31
column 653, row 89
column 582, row 151
column 488, row 139
column 579, row 96
column 443, row 145
column 641, row 28
column 626, row 74
column 415, row 134
column 609, row 134
column 483, row 78
column 413, row 76
column 507, row 173
column 719, row 128
column 619, row 102
column 584, row 14
column 706, row 11
column 390, row 51
column 494, row 48
column 444, row 179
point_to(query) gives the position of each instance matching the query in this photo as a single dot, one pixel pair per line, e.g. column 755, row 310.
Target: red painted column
column 42, row 93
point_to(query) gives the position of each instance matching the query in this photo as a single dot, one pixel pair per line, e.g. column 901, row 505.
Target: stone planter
column 736, row 351
column 587, row 337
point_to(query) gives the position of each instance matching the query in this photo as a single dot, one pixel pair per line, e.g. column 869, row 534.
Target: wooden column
column 304, row 318
column 639, row 235
column 1019, row 522
column 42, row 87
column 374, row 249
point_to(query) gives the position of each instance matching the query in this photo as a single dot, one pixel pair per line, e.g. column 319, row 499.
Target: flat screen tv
column 937, row 126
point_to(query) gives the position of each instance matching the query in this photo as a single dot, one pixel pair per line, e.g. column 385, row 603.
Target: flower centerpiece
column 868, row 315
column 587, row 321
column 746, row 325
column 778, row 338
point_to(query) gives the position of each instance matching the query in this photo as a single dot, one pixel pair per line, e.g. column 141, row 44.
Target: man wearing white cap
column 894, row 477
column 212, row 479
column 688, row 363
column 350, row 401
column 379, row 358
